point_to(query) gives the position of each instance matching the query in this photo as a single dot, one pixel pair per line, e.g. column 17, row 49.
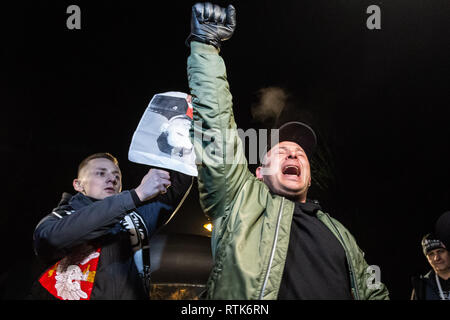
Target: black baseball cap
column 297, row 132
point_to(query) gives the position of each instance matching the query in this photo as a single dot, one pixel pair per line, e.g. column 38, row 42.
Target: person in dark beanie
column 442, row 228
column 435, row 285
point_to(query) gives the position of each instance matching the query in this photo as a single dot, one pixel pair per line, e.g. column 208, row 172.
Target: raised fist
column 211, row 24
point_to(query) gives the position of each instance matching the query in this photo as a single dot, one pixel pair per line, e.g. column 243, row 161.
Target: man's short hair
column 99, row 155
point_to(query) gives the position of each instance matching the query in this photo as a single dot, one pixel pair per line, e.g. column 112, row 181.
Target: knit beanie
column 431, row 242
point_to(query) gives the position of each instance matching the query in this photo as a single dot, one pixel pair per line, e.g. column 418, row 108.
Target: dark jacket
column 425, row 287
column 79, row 221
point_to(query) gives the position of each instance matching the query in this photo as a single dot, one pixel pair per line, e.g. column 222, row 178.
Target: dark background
column 377, row 98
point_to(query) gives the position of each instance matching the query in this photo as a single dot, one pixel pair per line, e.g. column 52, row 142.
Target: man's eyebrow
column 104, row 169
column 287, row 148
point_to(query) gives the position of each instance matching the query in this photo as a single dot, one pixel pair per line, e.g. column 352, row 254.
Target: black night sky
column 378, row 100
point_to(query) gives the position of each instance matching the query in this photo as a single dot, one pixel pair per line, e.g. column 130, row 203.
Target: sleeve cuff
column 136, row 200
column 199, row 47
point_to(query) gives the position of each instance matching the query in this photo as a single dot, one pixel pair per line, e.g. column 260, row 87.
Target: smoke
column 272, row 101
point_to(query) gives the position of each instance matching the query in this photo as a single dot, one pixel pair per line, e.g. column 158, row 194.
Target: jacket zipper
column 352, row 272
column 272, row 254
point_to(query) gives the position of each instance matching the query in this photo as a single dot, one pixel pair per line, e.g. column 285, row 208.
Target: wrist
column 202, row 47
column 137, row 198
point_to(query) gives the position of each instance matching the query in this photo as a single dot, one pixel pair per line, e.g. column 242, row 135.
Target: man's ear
column 77, row 185
column 259, row 175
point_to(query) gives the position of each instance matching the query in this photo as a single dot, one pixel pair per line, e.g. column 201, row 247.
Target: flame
column 208, row 226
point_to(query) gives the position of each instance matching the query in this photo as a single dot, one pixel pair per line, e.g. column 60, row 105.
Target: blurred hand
column 155, row 182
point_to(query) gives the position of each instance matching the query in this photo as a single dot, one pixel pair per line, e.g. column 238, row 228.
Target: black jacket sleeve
column 71, row 225
column 418, row 291
column 180, row 185
column 74, row 223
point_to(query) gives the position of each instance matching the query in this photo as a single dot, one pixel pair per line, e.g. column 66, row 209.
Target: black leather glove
column 211, row 24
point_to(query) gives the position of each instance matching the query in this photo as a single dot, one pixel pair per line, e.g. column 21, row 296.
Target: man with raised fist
column 269, row 241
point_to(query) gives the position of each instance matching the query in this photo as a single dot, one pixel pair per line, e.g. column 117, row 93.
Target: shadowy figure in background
column 435, row 285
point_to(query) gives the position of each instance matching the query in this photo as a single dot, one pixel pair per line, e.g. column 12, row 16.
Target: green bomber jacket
column 251, row 226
